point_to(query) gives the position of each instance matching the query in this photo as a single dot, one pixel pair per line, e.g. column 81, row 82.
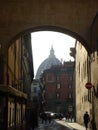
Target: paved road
column 53, row 126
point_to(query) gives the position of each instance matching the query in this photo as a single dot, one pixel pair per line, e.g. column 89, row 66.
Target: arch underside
column 73, row 18
column 55, row 29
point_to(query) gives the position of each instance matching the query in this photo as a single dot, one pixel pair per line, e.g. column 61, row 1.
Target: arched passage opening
column 55, row 29
column 14, row 40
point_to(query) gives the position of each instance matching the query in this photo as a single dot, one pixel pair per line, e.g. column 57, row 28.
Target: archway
column 55, row 29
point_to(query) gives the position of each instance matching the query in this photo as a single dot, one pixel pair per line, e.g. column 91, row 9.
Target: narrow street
column 55, row 125
column 61, row 125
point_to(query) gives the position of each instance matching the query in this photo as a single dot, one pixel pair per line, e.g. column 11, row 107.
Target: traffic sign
column 88, row 85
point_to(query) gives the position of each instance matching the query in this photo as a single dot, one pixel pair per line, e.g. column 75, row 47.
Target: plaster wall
column 82, row 101
column 94, row 68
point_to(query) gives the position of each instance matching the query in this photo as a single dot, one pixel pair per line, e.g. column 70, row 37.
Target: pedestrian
column 43, row 117
column 33, row 119
column 86, row 119
column 71, row 117
column 49, row 118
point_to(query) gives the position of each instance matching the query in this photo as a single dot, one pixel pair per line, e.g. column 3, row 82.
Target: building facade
column 94, row 70
column 59, row 88
column 15, row 88
column 35, row 90
column 86, row 68
column 82, row 71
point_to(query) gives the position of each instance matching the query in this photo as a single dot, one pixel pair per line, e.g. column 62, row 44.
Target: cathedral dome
column 47, row 63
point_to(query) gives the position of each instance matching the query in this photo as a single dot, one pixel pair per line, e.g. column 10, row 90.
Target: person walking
column 33, row 119
column 86, row 119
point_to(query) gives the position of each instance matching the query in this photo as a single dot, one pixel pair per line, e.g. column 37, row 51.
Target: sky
column 42, row 41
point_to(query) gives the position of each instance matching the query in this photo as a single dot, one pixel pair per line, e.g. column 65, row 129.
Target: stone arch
column 55, row 29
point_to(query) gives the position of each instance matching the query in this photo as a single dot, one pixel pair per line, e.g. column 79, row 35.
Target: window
column 58, row 78
column 49, row 77
column 58, row 86
column 69, row 86
column 70, row 96
column 70, row 78
column 57, row 95
column 79, row 68
column 35, row 89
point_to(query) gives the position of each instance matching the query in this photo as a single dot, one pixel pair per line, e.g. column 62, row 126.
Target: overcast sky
column 42, row 42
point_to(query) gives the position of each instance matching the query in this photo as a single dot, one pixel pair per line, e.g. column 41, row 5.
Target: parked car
column 46, row 116
column 53, row 115
column 58, row 116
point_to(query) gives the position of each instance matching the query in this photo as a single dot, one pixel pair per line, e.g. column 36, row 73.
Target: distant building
column 59, row 88
column 35, row 90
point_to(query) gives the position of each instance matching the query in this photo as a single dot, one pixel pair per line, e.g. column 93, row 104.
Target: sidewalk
column 72, row 125
column 76, row 126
